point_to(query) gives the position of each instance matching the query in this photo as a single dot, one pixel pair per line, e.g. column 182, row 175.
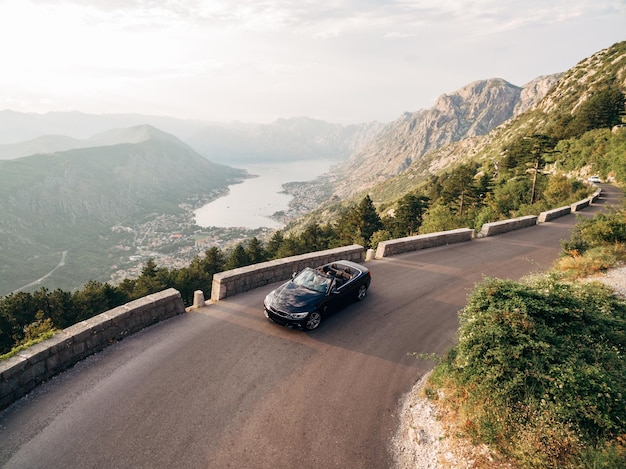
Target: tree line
column 468, row 195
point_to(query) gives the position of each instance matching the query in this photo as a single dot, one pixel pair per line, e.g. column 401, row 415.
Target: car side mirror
column 293, row 275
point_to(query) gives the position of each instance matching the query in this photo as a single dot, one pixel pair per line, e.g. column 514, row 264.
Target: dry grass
column 450, row 402
column 576, row 266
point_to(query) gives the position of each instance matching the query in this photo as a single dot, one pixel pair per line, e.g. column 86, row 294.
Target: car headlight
column 298, row 315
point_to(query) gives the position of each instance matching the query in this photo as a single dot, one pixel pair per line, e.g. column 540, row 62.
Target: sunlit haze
column 344, row 61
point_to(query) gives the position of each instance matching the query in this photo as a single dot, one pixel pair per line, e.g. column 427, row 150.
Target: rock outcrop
column 471, row 111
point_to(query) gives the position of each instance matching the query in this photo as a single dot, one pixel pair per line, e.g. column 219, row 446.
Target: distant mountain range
column 16, row 127
column 296, row 138
column 146, row 169
column 81, row 177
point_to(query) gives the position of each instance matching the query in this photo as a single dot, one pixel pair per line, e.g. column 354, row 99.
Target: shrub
column 593, row 261
column 38, row 331
column 601, row 230
column 539, row 370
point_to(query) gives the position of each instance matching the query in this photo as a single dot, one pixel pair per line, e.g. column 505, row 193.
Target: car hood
column 293, row 298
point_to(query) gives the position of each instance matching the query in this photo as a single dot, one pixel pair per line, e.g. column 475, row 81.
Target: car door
column 342, row 294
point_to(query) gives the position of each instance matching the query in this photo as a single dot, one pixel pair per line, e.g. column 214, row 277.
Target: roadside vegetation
column 538, row 373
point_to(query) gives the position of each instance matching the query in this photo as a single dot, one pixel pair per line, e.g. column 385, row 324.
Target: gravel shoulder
column 425, row 440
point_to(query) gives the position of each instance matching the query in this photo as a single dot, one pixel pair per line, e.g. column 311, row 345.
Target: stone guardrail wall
column 580, row 205
column 414, row 243
column 499, row 227
column 232, row 282
column 596, row 195
column 23, row 372
column 554, row 213
column 561, row 211
column 586, row 202
column 575, row 207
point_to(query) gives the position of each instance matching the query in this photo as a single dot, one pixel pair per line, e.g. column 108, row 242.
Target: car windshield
column 312, row 280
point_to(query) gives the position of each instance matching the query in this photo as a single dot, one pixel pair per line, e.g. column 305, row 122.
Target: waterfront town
column 174, row 240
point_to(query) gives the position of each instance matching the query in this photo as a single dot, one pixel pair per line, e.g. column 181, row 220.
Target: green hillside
column 70, row 201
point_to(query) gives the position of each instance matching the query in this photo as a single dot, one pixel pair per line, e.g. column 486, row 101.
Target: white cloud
column 344, row 60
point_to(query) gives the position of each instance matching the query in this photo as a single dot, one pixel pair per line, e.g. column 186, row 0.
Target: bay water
column 251, row 203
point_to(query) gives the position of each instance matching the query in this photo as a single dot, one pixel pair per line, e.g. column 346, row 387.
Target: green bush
column 38, row 331
column 601, row 230
column 541, row 367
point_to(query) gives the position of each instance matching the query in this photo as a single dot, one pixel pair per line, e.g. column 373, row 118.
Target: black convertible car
column 311, row 294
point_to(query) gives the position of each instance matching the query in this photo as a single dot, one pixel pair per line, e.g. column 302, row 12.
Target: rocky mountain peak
column 589, row 75
column 473, row 110
column 535, row 90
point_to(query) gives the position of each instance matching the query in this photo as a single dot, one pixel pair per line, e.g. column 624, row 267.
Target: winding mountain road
column 41, row 279
column 222, row 387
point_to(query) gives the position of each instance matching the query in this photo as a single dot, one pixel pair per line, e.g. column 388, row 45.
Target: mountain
column 71, row 200
column 136, row 134
column 153, row 168
column 59, row 143
column 16, row 127
column 228, row 143
column 473, row 110
column 42, row 144
column 90, row 201
column 285, row 139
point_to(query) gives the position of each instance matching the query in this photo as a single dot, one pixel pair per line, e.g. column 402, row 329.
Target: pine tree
column 369, row 220
column 151, row 280
column 312, row 238
column 273, row 245
column 289, row 247
column 484, row 187
column 238, row 258
column 348, row 224
column 459, row 189
column 409, row 215
column 604, row 109
column 188, row 280
column 255, row 251
column 213, row 261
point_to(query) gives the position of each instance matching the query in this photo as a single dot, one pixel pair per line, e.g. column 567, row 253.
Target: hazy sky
column 344, row 61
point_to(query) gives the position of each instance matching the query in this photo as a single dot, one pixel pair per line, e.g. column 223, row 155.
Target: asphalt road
column 41, row 279
column 222, row 387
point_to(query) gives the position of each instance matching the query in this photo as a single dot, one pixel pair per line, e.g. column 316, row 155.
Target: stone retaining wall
column 581, row 204
column 554, row 213
column 499, row 227
column 562, row 211
column 232, row 282
column 414, row 243
column 596, row 196
column 30, row 367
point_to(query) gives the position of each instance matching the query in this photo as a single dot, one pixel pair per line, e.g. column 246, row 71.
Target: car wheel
column 312, row 321
column 362, row 291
